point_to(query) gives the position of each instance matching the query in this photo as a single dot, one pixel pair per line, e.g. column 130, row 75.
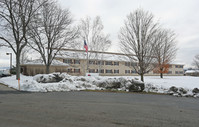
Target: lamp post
column 10, row 60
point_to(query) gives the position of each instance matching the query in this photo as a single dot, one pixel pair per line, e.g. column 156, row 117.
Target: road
column 95, row 109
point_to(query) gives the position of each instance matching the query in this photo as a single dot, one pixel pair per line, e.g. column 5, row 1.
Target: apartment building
column 105, row 64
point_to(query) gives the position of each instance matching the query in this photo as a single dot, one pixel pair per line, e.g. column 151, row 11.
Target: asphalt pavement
column 95, row 109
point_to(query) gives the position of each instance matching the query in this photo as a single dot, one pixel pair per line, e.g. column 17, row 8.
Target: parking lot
column 99, row 109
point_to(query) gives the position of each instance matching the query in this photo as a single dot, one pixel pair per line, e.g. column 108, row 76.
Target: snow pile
column 65, row 82
column 173, row 85
column 45, row 83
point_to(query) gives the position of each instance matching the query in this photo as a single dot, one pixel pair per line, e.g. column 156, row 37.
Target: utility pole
column 10, row 60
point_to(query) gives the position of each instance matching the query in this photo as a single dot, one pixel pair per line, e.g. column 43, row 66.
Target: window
column 127, row 63
column 109, row 71
column 109, row 63
column 176, row 72
column 91, row 62
column 68, row 61
column 116, row 63
column 76, row 61
column 102, row 71
column 69, row 70
column 170, row 66
column 179, row 66
column 127, row 71
column 134, row 64
column 100, row 62
column 116, row 71
column 91, row 70
column 76, row 70
column 133, row 71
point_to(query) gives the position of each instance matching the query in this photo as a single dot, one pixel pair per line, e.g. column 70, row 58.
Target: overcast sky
column 182, row 16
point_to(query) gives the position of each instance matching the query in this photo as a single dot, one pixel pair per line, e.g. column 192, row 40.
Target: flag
column 85, row 46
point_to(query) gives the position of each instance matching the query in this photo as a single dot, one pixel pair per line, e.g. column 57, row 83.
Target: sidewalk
column 5, row 88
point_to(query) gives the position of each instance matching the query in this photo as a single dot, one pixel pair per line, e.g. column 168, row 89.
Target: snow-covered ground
column 189, row 82
column 70, row 83
column 156, row 84
column 29, row 83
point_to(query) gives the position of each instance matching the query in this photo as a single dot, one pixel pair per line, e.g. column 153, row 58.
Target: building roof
column 93, row 55
column 40, row 62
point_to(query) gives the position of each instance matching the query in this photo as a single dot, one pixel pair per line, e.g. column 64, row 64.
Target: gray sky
column 182, row 16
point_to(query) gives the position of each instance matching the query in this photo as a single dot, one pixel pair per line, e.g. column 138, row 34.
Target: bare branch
column 136, row 38
column 164, row 49
column 196, row 62
column 51, row 31
column 15, row 15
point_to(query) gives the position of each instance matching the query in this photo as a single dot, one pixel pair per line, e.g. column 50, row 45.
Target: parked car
column 5, row 73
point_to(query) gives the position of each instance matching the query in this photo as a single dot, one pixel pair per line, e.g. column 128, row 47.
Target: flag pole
column 87, row 61
column 86, row 47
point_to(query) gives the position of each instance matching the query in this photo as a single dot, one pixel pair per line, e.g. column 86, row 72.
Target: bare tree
column 15, row 16
column 196, row 62
column 164, row 50
column 136, row 40
column 92, row 32
column 24, row 55
column 1, row 44
column 51, row 31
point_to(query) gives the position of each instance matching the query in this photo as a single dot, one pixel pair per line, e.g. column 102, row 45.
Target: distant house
column 34, row 67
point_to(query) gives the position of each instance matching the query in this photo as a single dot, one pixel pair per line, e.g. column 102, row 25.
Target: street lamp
column 10, row 60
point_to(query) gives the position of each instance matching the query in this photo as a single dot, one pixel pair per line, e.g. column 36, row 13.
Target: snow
column 28, row 83
column 109, row 56
column 40, row 62
column 82, row 55
column 76, row 83
column 162, row 85
column 188, row 82
column 191, row 71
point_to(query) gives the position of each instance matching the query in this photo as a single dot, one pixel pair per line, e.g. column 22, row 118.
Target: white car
column 4, row 73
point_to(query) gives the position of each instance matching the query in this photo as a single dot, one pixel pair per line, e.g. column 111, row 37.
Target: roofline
column 41, row 65
column 177, row 64
column 109, row 60
column 77, row 50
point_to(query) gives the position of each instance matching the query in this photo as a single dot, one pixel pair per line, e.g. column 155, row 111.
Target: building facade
column 34, row 67
column 75, row 62
column 106, row 64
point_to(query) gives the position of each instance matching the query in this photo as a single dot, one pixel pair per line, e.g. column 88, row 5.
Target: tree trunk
column 142, row 77
column 47, row 69
column 161, row 75
column 18, row 67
